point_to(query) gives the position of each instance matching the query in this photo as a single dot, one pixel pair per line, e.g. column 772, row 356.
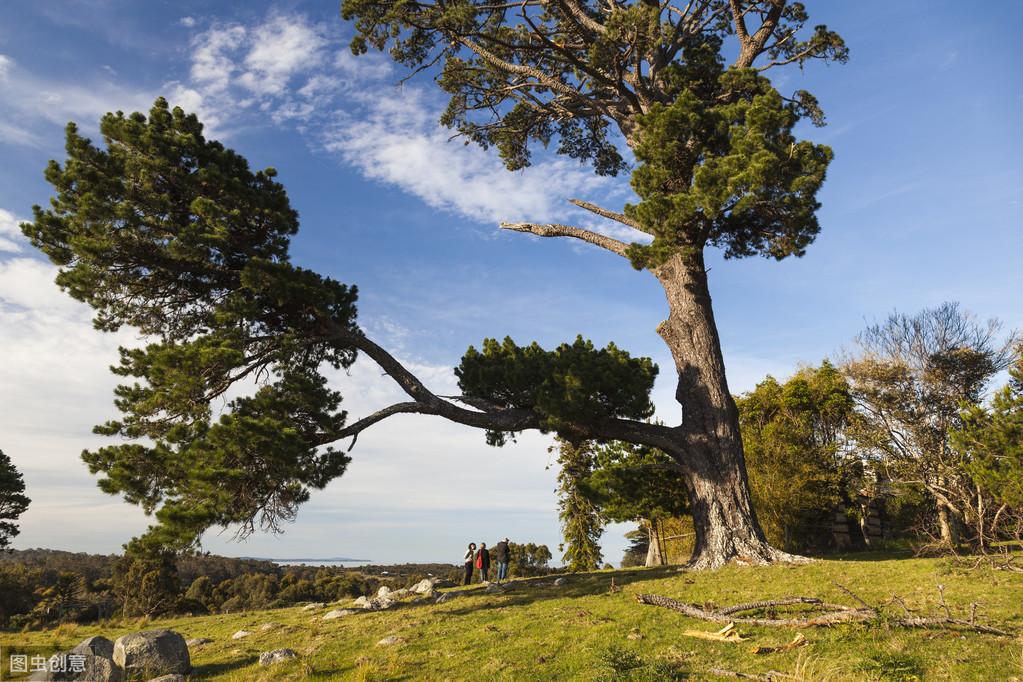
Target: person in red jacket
column 483, row 561
column 470, row 555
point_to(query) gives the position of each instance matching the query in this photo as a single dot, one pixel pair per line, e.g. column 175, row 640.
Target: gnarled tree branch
column 558, row 230
column 486, row 416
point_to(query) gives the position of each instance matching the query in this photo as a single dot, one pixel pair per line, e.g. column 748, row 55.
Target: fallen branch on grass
column 823, row 613
column 725, row 634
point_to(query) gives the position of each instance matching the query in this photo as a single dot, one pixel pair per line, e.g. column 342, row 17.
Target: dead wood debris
column 725, row 634
column 823, row 614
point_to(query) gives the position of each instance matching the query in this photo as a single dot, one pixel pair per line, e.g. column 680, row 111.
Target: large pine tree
column 174, row 235
column 683, row 87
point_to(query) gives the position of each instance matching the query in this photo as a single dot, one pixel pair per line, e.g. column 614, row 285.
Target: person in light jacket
column 470, row 556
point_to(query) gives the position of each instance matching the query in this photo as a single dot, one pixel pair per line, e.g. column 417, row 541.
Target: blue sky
column 921, row 205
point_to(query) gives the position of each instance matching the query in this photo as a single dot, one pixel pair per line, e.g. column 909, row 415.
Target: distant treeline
column 39, row 587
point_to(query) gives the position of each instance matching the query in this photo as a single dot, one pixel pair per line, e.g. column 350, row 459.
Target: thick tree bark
column 710, row 447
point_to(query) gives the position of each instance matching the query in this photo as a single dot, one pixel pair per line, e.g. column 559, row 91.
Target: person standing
column 501, row 553
column 470, row 555
column 483, row 561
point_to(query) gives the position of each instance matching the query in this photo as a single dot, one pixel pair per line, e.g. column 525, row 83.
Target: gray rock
column 241, row 634
column 152, row 653
column 277, row 656
column 493, row 588
column 267, row 627
column 384, row 591
column 198, row 642
column 338, row 613
column 391, row 640
column 424, row 586
column 446, row 596
column 72, row 665
column 363, row 602
column 97, row 646
column 168, row 678
column 312, row 607
column 558, row 582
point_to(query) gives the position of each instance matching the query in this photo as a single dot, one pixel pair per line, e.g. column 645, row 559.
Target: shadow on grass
column 209, row 670
column 520, row 592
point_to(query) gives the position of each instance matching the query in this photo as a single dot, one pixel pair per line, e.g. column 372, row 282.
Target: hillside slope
column 581, row 630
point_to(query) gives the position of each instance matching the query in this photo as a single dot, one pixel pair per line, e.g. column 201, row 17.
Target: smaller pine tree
column 992, row 437
column 13, row 501
column 581, row 521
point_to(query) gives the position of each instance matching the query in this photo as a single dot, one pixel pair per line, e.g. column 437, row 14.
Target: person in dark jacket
column 470, row 555
column 501, row 553
column 483, row 561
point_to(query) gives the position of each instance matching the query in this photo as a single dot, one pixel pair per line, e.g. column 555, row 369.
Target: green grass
column 581, row 631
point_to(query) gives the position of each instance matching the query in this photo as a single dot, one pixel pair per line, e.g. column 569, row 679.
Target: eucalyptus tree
column 913, row 379
column 682, row 86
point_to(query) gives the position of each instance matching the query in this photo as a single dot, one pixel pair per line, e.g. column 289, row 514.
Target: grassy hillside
column 581, row 630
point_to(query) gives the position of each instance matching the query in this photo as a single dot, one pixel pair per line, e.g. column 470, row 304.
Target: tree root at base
column 826, row 614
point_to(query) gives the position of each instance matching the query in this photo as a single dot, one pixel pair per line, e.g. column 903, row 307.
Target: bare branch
column 610, row 215
column 556, row 230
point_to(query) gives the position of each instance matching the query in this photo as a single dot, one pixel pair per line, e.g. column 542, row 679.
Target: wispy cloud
column 30, row 103
column 10, row 233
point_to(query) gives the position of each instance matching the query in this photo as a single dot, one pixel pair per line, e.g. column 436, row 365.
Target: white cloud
column 10, row 233
column 279, row 49
column 187, row 22
column 5, row 66
column 350, row 107
column 212, row 65
column 395, row 138
column 29, row 100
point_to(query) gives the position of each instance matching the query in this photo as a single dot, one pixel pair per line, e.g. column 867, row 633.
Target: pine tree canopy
column 630, row 482
column 718, row 162
column 572, row 384
column 174, row 235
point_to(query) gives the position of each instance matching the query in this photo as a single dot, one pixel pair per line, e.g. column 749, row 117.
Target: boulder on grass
column 391, row 640
column 168, row 678
column 338, row 613
column 241, row 634
column 152, row 653
column 198, row 642
column 312, row 607
column 277, row 656
column 424, row 586
column 96, row 646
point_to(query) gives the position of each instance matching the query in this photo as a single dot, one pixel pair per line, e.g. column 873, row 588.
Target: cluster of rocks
column 154, row 655
column 386, row 597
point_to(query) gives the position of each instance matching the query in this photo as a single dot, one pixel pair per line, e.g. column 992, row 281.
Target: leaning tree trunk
column 710, row 451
